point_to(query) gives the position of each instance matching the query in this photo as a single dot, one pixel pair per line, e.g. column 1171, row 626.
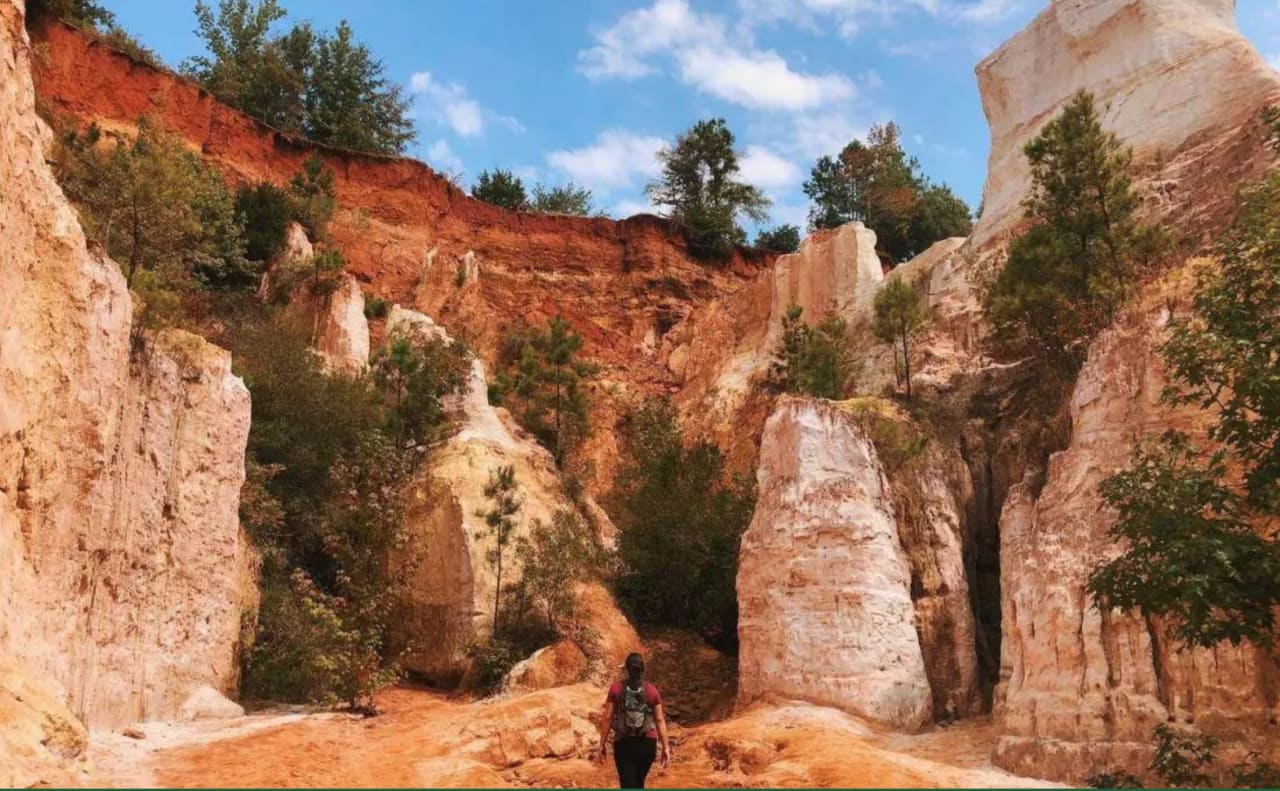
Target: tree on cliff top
column 700, row 187
column 324, row 86
column 568, row 199
column 501, row 188
column 877, row 183
column 1067, row 274
column 782, row 239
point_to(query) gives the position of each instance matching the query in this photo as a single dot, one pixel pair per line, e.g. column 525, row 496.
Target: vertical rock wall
column 122, row 564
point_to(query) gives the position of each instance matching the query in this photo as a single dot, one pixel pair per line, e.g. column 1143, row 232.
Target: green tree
column 783, row 239
column 1067, row 274
column 501, row 518
column 540, row 378
column 155, row 208
column 501, row 188
column 814, row 361
column 312, row 196
column 264, row 209
column 568, row 199
column 1200, row 549
column 351, row 103
column 81, row 13
column 680, row 522
column 899, row 314
column 699, row 185
column 558, row 555
column 877, row 183
column 415, row 376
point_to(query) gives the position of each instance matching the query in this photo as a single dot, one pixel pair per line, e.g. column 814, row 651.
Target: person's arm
column 660, row 718
column 606, row 722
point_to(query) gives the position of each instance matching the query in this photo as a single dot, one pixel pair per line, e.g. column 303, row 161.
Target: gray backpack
column 635, row 715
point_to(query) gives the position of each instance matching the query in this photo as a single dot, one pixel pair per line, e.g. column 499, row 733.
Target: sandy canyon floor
column 423, row 738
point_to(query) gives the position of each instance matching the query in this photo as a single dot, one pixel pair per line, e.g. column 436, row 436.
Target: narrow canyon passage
column 424, row 738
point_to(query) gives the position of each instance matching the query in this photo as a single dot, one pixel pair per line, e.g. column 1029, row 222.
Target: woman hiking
column 633, row 711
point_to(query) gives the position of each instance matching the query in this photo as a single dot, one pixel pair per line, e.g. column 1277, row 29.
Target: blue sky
column 585, row 90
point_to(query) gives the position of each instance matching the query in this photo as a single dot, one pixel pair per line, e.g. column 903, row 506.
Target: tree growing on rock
column 813, row 361
column 415, row 376
column 699, row 186
column 312, row 196
column 557, row 556
column 899, row 314
column 1201, row 547
column 1085, row 248
column 501, row 188
column 540, row 379
column 504, row 495
column 877, row 183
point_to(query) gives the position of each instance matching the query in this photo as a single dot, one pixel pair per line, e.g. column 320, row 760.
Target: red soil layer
column 615, row 281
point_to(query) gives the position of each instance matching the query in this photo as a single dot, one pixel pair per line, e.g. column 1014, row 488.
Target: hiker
column 633, row 711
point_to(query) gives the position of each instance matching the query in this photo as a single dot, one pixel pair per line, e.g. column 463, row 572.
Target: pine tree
column 899, row 313
column 501, row 188
column 503, row 493
column 350, row 103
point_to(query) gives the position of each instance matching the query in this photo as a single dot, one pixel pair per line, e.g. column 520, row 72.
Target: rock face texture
column 1149, row 63
column 455, row 582
column 719, row 354
column 824, row 587
column 1081, row 689
column 122, row 564
column 41, row 742
column 342, row 331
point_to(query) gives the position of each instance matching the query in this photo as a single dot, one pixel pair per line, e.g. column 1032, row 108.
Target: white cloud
column 851, row 17
column 628, row 207
column 759, row 80
column 817, row 134
column 449, row 104
column 767, row 170
column 441, row 157
column 614, row 160
column 706, row 60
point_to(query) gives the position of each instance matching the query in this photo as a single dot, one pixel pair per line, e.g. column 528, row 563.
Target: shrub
column 558, row 555
column 376, row 308
column 264, row 209
column 569, row 199
column 782, row 239
column 415, row 377
column 812, row 361
column 680, row 522
column 312, row 197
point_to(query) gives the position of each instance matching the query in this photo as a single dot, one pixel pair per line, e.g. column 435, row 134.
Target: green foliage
column 783, row 239
column 1187, row 760
column 1084, row 251
column 119, row 39
column 900, row 312
column 814, row 361
column 1255, row 773
column 491, row 660
column 568, row 199
column 539, row 379
column 323, row 502
column 1116, row 778
column 680, row 522
column 376, row 308
column 877, row 183
column 155, row 208
column 1202, row 548
column 501, row 188
column 327, row 267
column 699, row 186
column 1190, row 554
column 81, row 13
column 264, row 209
column 504, row 494
column 311, row 196
column 558, row 555
column 415, row 376
column 325, row 86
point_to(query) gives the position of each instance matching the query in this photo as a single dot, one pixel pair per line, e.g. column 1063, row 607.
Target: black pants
column 633, row 756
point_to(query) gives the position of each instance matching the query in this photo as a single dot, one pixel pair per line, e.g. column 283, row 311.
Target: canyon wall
column 1174, row 79
column 123, row 571
column 1081, row 690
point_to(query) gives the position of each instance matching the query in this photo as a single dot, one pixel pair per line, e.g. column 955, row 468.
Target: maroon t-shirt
column 651, row 696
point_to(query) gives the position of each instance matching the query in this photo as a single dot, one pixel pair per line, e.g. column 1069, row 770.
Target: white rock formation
column 455, row 582
column 122, row 564
column 1178, row 83
column 1081, row 690
column 824, row 587
column 341, row 329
